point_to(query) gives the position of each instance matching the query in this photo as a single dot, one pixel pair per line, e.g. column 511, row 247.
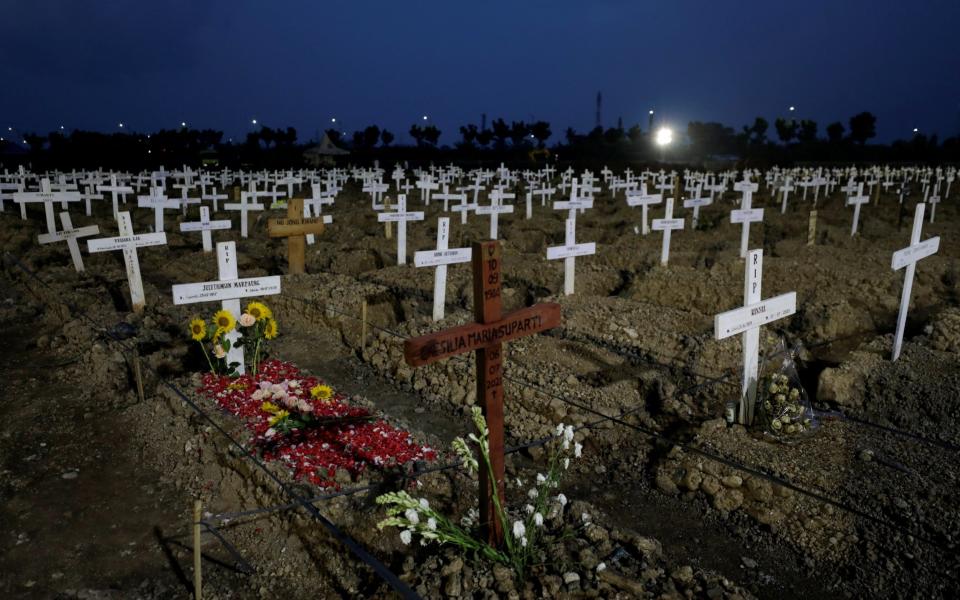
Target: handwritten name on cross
column 667, row 224
column 70, row 234
column 157, row 201
column 696, row 203
column 908, row 257
column 486, row 337
column 746, row 214
column 228, row 290
column 128, row 242
column 400, row 218
column 569, row 251
column 440, row 258
column 295, row 227
column 747, row 320
column 644, row 200
column 205, row 226
column 46, row 197
column 494, row 209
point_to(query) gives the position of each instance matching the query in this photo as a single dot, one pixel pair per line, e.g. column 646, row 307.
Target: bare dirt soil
column 96, row 485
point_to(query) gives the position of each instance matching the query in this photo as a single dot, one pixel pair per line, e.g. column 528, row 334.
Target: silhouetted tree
column 635, row 134
column 371, row 134
column 711, row 138
column 808, row 131
column 614, row 135
column 484, row 137
column 757, row 133
column 863, row 126
column 416, row 132
column 469, row 134
column 501, row 132
column 431, row 135
column 541, row 131
column 518, row 132
column 835, row 132
column 786, row 129
column 386, row 137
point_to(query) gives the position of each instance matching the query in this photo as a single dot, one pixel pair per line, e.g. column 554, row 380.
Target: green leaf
column 225, row 345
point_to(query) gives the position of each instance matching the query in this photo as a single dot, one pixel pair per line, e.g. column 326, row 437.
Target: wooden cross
column 440, row 258
column 908, row 257
column 70, row 234
column 486, row 337
column 228, row 289
column 204, row 226
column 747, row 320
column 129, row 242
column 294, row 228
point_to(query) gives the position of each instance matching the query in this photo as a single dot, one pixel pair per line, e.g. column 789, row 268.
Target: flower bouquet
column 255, row 326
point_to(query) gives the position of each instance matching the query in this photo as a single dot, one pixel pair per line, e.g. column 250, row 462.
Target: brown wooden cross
column 295, row 228
column 486, row 337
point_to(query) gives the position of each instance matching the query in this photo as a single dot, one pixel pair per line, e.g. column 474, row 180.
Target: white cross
column 228, row 289
column 934, row 200
column 446, row 196
column 667, row 225
column 115, row 190
column 214, row 197
column 856, row 201
column 747, row 320
column 696, row 203
column 129, row 242
column 157, row 201
column 70, row 234
column 205, row 226
column 745, row 214
column 494, row 210
column 785, row 190
column 243, row 207
column 642, row 199
column 908, row 257
column 426, row 185
column 440, row 258
column 568, row 252
column 313, row 207
column 464, row 208
column 7, row 190
column 47, row 198
column 400, row 218
column 89, row 193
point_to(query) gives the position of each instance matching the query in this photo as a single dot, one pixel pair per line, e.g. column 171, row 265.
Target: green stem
column 207, row 356
column 256, row 357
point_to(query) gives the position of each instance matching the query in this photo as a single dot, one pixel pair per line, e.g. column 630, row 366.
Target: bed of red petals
column 348, row 441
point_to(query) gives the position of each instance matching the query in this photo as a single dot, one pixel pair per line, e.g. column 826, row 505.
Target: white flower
column 585, row 518
column 559, row 429
column 294, row 383
column 568, row 433
column 562, row 499
column 518, row 529
column 523, row 542
column 566, row 463
column 577, row 449
column 538, row 519
column 424, row 503
column 432, row 524
column 601, row 567
column 406, row 536
column 529, row 509
column 270, row 433
column 519, row 483
column 541, row 477
column 412, row 516
column 533, row 493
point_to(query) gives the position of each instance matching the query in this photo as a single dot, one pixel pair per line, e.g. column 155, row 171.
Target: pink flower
column 246, row 320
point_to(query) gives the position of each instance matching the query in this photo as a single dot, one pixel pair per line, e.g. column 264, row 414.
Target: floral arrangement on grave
column 784, row 410
column 527, row 529
column 256, row 326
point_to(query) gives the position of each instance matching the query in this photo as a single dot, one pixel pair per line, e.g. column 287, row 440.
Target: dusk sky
column 218, row 63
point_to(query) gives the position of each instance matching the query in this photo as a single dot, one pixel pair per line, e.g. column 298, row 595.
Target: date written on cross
column 467, row 338
column 739, row 320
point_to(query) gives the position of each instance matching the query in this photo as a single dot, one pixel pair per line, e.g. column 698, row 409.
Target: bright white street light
column 333, row 120
column 183, row 123
column 121, row 125
column 664, row 136
column 793, row 108
column 424, row 117
column 916, row 130
column 254, row 121
column 651, row 111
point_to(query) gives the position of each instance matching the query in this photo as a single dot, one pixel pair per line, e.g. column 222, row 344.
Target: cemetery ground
column 98, row 485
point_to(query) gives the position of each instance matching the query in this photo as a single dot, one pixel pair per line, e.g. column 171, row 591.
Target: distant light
column 424, row 117
column 254, row 121
column 664, row 136
column 121, row 125
column 915, row 130
column 149, row 151
column 333, row 120
column 61, row 128
column 792, row 108
column 148, row 136
column 651, row 111
column 2, row 140
column 183, row 123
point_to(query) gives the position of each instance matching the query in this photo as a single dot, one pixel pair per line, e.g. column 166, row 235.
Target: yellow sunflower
column 224, row 321
column 198, row 329
column 322, row 392
column 259, row 311
column 279, row 416
column 270, row 329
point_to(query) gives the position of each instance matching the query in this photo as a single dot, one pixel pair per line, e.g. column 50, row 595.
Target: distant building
column 323, row 153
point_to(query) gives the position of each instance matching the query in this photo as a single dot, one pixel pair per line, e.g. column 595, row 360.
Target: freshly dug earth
column 97, row 485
